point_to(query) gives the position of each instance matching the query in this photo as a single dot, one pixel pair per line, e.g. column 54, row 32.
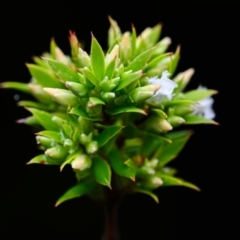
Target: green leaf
column 111, row 68
column 82, row 113
column 93, row 101
column 23, row 87
column 160, row 113
column 44, row 118
column 119, row 167
column 102, row 171
column 40, row 159
column 123, row 109
column 41, row 62
column 63, row 71
column 197, row 95
column 150, row 194
column 90, row 76
column 173, row 181
column 179, row 102
column 97, row 59
column 78, row 190
column 140, row 61
column 44, row 77
column 168, row 151
column 128, row 79
column 107, row 134
column 193, row 119
column 155, row 61
column 174, row 63
column 37, row 105
column 56, row 136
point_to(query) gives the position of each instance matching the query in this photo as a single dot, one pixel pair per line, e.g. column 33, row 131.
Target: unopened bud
column 44, row 141
column 62, row 96
column 84, row 139
column 183, row 110
column 107, row 96
column 92, row 147
column 85, row 59
column 57, row 152
column 77, row 88
column 68, row 144
column 152, row 182
column 81, row 162
column 175, row 120
column 143, row 93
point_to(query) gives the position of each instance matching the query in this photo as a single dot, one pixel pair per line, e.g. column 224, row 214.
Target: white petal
column 165, row 92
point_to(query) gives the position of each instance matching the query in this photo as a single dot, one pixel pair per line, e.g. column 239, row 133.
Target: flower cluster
column 114, row 112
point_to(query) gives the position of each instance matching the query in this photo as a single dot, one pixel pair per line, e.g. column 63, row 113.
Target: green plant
column 112, row 115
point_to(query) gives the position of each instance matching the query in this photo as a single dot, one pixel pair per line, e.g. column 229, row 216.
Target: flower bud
column 152, row 182
column 77, row 88
column 81, row 162
column 84, row 139
column 175, row 121
column 107, row 96
column 68, row 144
column 92, row 147
column 39, row 94
column 62, row 96
column 183, row 110
column 85, row 59
column 143, row 93
column 44, row 141
column 57, row 152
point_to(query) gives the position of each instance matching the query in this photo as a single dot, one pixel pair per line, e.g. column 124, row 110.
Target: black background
column 207, row 33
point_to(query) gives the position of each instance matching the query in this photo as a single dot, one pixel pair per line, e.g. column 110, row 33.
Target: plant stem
column 111, row 227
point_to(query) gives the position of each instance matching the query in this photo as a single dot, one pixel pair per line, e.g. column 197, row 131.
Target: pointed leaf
column 37, row 105
column 90, row 76
column 193, row 119
column 119, row 167
column 128, row 79
column 44, row 77
column 173, row 181
column 56, row 136
column 82, row 113
column 197, row 95
column 172, row 66
column 111, row 68
column 44, row 118
column 182, row 102
column 152, row 195
column 40, row 159
column 93, row 101
column 160, row 113
column 102, row 171
column 78, row 190
column 63, row 71
column 155, row 61
column 97, row 59
column 123, row 109
column 107, row 134
column 23, row 87
column 140, row 61
column 168, row 151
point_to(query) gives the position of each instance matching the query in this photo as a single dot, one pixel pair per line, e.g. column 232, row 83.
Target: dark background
column 207, row 34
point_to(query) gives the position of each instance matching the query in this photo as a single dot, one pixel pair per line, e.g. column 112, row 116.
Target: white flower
column 165, row 92
column 204, row 107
